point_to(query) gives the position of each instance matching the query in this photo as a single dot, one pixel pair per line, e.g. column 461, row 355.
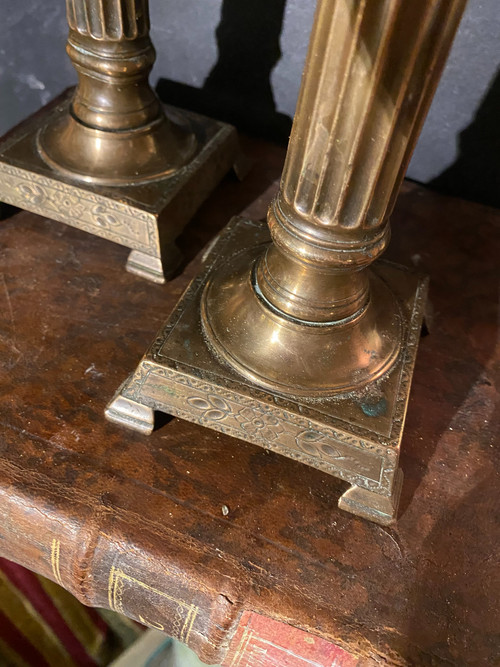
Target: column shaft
column 370, row 74
column 110, row 48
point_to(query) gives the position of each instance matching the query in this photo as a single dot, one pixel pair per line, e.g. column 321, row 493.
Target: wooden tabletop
column 81, row 499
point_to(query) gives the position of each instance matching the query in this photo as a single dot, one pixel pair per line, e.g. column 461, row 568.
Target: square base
column 145, row 217
column 354, row 436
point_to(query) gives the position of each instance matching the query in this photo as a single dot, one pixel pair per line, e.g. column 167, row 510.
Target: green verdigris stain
column 375, row 409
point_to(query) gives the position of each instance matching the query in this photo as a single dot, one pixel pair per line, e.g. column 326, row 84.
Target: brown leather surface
column 80, row 496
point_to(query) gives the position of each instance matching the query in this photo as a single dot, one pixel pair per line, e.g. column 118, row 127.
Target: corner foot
column 156, row 269
column 242, row 166
column 371, row 505
column 146, row 266
column 129, row 413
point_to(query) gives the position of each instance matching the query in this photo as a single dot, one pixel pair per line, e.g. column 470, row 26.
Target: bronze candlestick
column 109, row 158
column 303, row 345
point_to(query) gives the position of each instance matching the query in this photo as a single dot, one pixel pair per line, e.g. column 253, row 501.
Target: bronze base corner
column 145, row 216
column 354, row 436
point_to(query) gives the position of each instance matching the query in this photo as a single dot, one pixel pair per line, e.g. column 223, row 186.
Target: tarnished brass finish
column 116, row 131
column 112, row 146
column 353, row 436
column 310, row 318
column 315, row 336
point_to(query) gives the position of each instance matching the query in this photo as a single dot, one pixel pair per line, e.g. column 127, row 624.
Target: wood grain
column 140, row 524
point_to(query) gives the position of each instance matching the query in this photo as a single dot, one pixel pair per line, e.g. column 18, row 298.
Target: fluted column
column 116, row 131
column 110, row 48
column 312, row 318
column 370, row 74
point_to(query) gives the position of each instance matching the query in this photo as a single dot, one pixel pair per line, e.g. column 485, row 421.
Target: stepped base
column 354, row 436
column 146, row 217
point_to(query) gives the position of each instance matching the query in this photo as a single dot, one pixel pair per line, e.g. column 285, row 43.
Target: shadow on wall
column 238, row 89
column 475, row 175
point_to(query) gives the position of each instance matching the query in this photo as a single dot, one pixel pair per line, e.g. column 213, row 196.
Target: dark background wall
column 242, row 59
